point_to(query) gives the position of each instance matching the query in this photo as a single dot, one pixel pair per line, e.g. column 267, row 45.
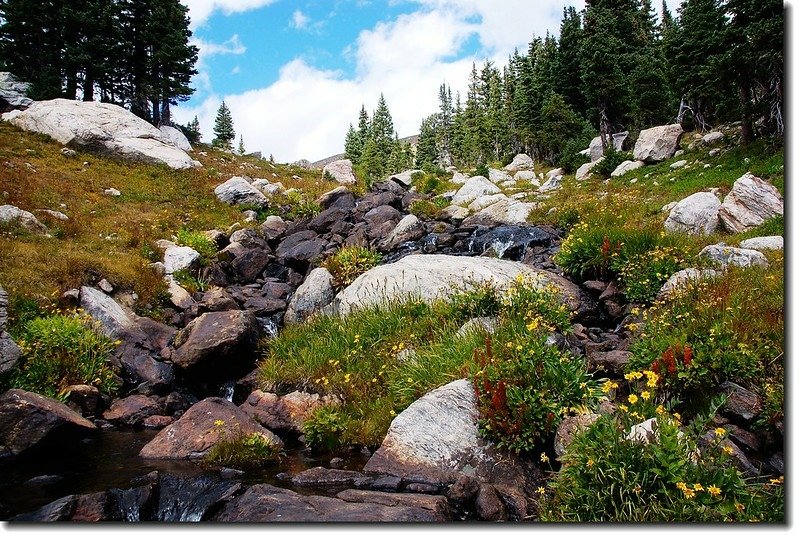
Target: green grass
column 350, row 262
column 243, row 451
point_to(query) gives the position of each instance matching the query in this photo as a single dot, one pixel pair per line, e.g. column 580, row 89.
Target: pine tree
column 382, row 128
column 568, row 82
column 192, row 131
column 353, row 145
column 426, row 148
column 241, row 144
column 223, row 128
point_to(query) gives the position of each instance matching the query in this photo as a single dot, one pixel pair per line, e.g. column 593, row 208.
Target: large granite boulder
column 10, row 215
column 658, row 143
column 340, row 171
column 410, row 228
column 175, row 137
column 751, row 202
column 505, row 211
column 113, row 319
column 698, row 214
column 180, row 258
column 724, row 255
column 773, row 242
column 202, row 427
column 520, row 162
column 435, row 276
column 239, row 191
column 595, row 147
column 103, row 128
column 474, row 188
column 626, row 166
column 682, row 279
column 29, row 419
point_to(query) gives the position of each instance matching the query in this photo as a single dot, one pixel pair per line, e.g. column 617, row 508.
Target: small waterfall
column 226, row 391
column 268, row 326
column 501, row 247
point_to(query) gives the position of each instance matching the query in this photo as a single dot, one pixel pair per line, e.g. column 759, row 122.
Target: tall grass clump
column 64, row 349
column 350, row 262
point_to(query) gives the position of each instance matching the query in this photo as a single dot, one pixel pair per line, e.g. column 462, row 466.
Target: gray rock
column 10, row 215
column 725, row 255
column 506, row 211
column 340, row 197
column 741, row 404
column 459, row 178
column 311, row 297
column 13, row 92
column 432, row 277
column 679, row 280
column 217, row 341
column 410, row 228
column 553, row 183
column 103, row 128
column 774, row 242
column 658, row 143
column 132, row 410
column 114, row 320
column 273, row 227
column 555, row 172
column 594, row 150
column 474, row 188
column 238, row 191
column 668, row 207
column 405, row 178
column 175, row 137
column 527, row 175
column 180, row 258
column 179, row 297
column 584, row 171
column 487, row 325
column 627, row 166
column 28, row 419
column 698, row 214
column 751, row 202
column 454, row 212
column 712, row 137
column 520, row 162
column 202, row 427
column 498, row 176
column 484, row 201
column 327, row 477
column 341, row 171
column 678, row 164
column 9, row 350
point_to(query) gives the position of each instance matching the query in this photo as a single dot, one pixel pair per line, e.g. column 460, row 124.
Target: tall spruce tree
column 427, row 148
column 223, row 128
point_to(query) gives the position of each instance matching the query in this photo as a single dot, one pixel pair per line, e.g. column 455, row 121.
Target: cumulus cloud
column 207, row 49
column 305, row 113
column 201, row 10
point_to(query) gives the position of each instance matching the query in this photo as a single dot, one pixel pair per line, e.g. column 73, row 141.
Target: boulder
column 555, row 172
column 751, row 202
column 10, row 215
column 340, row 197
column 680, row 280
column 9, row 350
column 584, row 171
column 315, row 293
column 341, row 171
column 527, row 175
column 712, row 137
column 200, row 428
column 520, row 162
column 459, row 178
column 658, row 143
column 266, row 503
column 410, row 228
column 484, row 201
column 273, row 227
column 179, row 297
column 104, row 309
column 553, row 183
column 774, row 242
column 303, row 246
column 285, row 412
column 13, row 93
column 698, row 214
column 741, row 404
column 104, row 128
column 595, row 147
column 180, row 258
column 29, row 419
column 454, row 212
column 626, row 166
column 435, row 276
column 498, row 176
column 405, row 178
column 238, row 191
column 381, row 215
column 474, row 188
column 132, row 410
column 677, row 165
column 724, row 256
column 217, row 341
column 505, row 211
column 569, row 428
column 175, row 137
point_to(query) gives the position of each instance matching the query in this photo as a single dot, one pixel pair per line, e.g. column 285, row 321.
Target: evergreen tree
column 568, row 82
column 382, row 129
column 241, row 144
column 223, row 128
column 426, row 148
column 373, row 161
column 192, row 131
column 353, row 145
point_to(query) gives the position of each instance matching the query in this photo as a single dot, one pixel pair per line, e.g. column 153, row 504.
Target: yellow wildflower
column 660, row 410
column 632, row 398
column 645, row 395
column 689, row 493
column 623, row 408
column 609, row 385
column 544, row 457
column 714, row 490
column 720, row 431
column 590, row 463
column 218, row 423
column 681, row 486
column 728, row 450
column 698, row 487
column 541, row 490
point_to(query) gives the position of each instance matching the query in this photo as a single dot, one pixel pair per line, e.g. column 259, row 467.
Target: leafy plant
column 190, row 282
column 643, row 275
column 350, row 262
column 63, row 349
column 199, row 242
column 243, row 451
column 324, row 428
column 610, row 162
column 427, row 183
column 571, row 158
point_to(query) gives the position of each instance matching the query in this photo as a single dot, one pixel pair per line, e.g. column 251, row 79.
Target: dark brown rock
column 488, row 504
column 29, row 419
column 157, row 422
column 609, row 362
column 746, row 439
column 339, row 197
column 742, row 404
column 217, row 341
column 595, row 286
column 324, row 221
column 264, row 305
column 217, row 299
column 200, row 428
column 132, row 410
column 330, row 477
column 249, row 266
column 569, row 427
column 381, row 215
column 266, row 503
column 375, row 199
column 286, row 412
column 85, row 399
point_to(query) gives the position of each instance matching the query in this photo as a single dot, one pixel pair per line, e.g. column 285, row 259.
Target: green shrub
column 427, row 183
column 609, row 475
column 190, row 282
column 324, row 428
column 611, row 161
column 524, row 386
column 60, row 350
column 243, row 451
column 477, row 301
column 481, row 170
column 349, row 263
column 571, row 159
column 643, row 275
column 199, row 242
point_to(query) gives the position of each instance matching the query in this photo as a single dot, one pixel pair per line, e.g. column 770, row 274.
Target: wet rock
column 132, row 410
column 157, row 421
column 510, row 242
column 216, row 342
column 266, row 503
column 569, row 428
column 287, row 412
column 329, row 477
column 85, row 399
column 29, row 420
column 200, row 428
column 312, row 296
column 410, row 228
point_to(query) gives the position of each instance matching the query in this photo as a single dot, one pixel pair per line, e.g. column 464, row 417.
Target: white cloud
column 299, row 20
column 236, row 70
column 306, row 112
column 201, row 10
column 208, row 49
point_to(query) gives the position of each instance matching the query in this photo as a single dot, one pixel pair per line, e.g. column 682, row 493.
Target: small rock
column 112, row 192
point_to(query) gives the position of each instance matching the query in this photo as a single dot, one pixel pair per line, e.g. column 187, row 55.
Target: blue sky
column 295, row 73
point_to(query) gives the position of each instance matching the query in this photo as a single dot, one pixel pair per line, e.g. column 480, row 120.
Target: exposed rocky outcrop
column 774, row 242
column 520, row 162
column 10, row 215
column 724, row 255
column 239, row 191
column 751, row 202
column 340, row 171
column 104, row 128
column 315, row 293
column 175, row 137
column 13, row 93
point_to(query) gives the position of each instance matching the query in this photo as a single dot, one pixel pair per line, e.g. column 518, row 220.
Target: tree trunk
column 88, row 85
column 747, row 134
